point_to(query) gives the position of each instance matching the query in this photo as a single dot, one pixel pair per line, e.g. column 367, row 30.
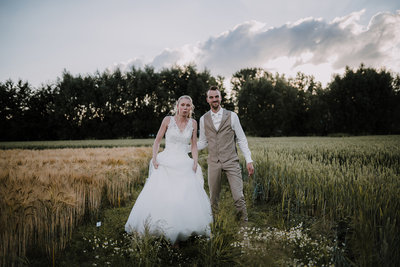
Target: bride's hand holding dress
column 157, row 141
column 194, row 150
column 155, row 163
column 195, row 167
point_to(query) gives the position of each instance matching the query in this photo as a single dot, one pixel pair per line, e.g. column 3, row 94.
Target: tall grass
column 45, row 194
column 353, row 182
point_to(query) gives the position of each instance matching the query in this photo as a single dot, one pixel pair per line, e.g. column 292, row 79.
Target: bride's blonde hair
column 176, row 109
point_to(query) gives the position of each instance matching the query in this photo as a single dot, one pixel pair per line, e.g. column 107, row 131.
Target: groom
column 219, row 130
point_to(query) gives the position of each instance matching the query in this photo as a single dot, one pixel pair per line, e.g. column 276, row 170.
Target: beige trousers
column 233, row 174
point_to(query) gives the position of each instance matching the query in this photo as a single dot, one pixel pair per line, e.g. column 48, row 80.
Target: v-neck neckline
column 184, row 128
column 222, row 119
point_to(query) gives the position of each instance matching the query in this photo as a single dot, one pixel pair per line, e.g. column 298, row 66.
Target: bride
column 173, row 202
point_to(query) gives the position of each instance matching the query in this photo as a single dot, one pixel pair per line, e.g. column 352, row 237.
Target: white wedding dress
column 173, row 202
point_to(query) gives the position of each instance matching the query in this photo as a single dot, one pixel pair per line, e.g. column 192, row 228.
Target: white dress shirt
column 236, row 127
column 216, row 118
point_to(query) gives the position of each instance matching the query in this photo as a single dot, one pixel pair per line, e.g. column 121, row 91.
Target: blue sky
column 41, row 38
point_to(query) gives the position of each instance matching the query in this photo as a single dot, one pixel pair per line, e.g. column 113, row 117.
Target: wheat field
column 352, row 183
column 44, row 194
column 347, row 188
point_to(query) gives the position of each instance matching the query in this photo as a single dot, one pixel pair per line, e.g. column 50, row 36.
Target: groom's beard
column 215, row 107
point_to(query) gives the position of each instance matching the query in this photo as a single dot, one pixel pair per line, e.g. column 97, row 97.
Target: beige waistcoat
column 221, row 142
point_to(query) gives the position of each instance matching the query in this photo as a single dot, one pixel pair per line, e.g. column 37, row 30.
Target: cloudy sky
column 41, row 38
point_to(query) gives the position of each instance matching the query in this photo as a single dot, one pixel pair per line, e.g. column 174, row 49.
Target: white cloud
column 309, row 45
column 351, row 22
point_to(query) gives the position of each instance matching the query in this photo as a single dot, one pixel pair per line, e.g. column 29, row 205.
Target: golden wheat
column 44, row 194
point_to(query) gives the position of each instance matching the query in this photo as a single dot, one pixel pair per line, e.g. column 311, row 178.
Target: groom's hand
column 250, row 168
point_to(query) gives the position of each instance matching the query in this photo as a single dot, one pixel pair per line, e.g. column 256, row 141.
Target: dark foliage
column 132, row 105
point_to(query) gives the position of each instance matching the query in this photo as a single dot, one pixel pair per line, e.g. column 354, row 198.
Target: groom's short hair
column 214, row 88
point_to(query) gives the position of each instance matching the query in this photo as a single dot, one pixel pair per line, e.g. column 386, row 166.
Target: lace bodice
column 177, row 139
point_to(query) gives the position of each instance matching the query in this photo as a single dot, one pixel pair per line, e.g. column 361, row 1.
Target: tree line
column 132, row 105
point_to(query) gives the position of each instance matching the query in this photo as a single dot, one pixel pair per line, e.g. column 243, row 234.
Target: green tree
column 39, row 118
column 310, row 113
column 261, row 106
column 361, row 102
column 242, row 76
column 15, row 100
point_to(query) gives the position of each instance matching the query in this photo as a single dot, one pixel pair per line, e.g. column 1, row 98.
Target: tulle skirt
column 173, row 201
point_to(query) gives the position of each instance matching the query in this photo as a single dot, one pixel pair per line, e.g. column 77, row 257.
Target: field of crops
column 353, row 182
column 45, row 194
column 313, row 201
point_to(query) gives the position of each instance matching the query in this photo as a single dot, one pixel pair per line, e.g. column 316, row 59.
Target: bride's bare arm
column 157, row 141
column 195, row 152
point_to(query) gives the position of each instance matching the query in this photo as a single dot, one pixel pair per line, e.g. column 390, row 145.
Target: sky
column 42, row 38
